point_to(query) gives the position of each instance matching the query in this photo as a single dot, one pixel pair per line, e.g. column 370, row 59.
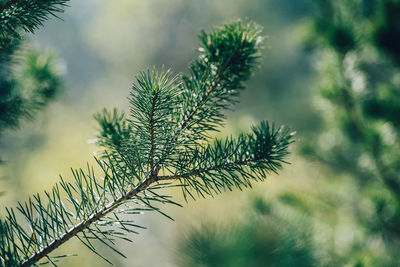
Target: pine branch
column 244, row 164
column 234, row 162
column 222, row 65
column 85, row 224
column 163, row 143
column 154, row 122
column 18, row 16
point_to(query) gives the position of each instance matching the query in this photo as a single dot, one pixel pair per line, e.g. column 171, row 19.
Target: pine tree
column 164, row 142
column 357, row 43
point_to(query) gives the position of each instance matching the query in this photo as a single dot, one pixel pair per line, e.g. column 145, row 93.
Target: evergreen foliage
column 27, row 84
column 28, row 80
column 355, row 220
column 263, row 237
column 17, row 16
column 357, row 45
column 164, row 142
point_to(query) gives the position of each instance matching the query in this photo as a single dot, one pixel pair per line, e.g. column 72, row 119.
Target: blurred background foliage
column 330, row 71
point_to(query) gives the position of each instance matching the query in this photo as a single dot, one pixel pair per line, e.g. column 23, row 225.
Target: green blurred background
column 306, row 216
